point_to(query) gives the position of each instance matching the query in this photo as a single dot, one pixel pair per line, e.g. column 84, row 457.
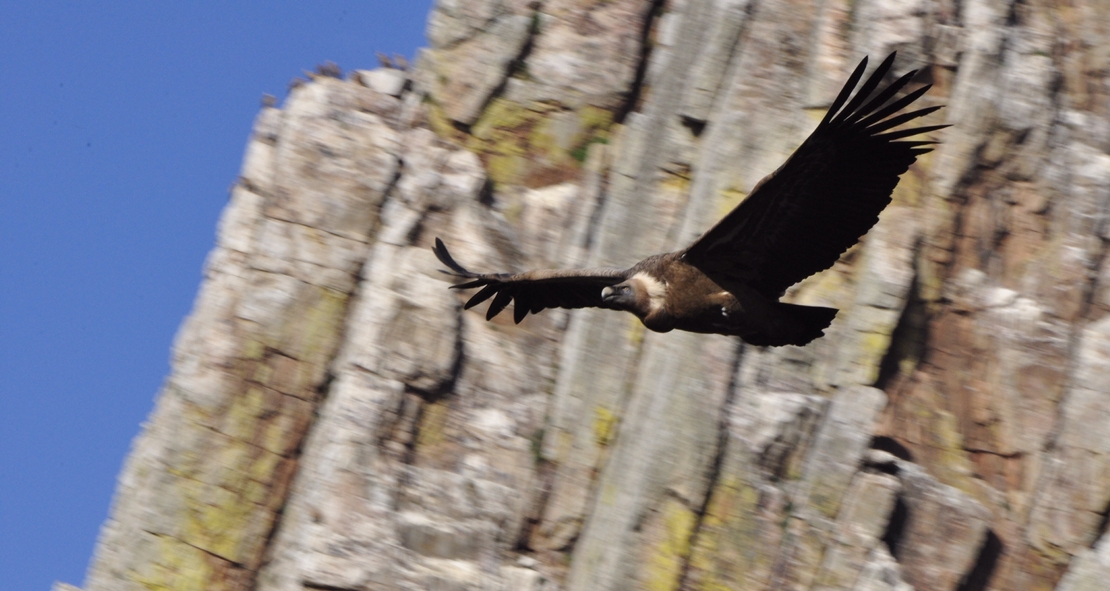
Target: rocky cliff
column 334, row 419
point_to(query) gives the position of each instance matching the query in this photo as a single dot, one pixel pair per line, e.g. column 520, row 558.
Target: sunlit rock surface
column 335, row 420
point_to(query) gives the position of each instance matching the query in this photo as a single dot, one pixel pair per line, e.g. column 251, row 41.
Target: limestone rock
column 881, row 573
column 1089, row 570
column 388, row 81
column 942, row 532
column 474, row 43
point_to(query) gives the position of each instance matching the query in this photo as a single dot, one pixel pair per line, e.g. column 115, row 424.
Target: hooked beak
column 607, row 294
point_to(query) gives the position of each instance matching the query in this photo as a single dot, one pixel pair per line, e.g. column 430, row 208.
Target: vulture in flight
column 796, row 222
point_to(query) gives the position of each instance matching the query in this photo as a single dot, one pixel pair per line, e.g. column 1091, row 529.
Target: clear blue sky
column 122, row 125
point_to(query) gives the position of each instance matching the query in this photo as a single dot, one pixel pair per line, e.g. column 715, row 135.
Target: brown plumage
column 795, row 223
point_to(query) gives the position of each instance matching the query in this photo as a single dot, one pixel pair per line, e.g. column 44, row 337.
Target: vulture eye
column 626, row 289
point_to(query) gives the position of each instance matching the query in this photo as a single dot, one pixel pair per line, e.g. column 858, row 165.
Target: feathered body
column 795, row 223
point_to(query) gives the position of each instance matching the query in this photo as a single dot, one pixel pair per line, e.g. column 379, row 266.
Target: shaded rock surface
column 335, row 420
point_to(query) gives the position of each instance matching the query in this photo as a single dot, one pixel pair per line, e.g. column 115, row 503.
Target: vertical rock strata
column 335, row 420
column 209, row 474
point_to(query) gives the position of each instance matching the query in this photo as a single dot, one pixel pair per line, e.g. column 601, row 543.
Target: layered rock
column 335, row 420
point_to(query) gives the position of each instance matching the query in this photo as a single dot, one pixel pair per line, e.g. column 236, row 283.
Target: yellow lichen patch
column 931, row 284
column 730, row 551
column 538, row 143
column 320, row 327
column 220, row 526
column 503, row 168
column 262, row 373
column 907, row 365
column 815, row 114
column 676, row 181
column 595, row 118
column 188, row 465
column 604, row 422
column 729, row 199
column 595, row 124
column 953, row 467
column 873, row 346
column 667, row 553
column 501, row 114
column 636, row 331
column 178, row 567
column 609, row 492
column 440, row 123
column 222, row 506
column 278, row 434
column 228, row 462
column 253, row 349
column 502, row 136
column 825, row 498
column 564, row 443
column 257, row 492
column 241, row 418
column 542, row 139
column 263, row 467
column 433, row 425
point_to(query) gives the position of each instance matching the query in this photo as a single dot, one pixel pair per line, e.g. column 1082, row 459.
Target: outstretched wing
column 535, row 290
column 801, row 218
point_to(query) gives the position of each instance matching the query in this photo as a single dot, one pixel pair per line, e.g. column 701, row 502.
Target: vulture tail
column 799, row 325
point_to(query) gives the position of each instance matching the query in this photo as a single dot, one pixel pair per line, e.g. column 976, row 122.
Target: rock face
column 335, row 420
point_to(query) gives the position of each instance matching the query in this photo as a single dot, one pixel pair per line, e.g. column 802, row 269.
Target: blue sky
column 122, row 125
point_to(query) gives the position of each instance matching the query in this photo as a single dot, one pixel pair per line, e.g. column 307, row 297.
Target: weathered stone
column 473, row 45
column 583, row 54
column 741, row 531
column 1075, row 490
column 860, row 525
column 1089, row 569
column 838, row 448
column 389, row 81
column 881, row 573
column 199, row 499
column 943, row 531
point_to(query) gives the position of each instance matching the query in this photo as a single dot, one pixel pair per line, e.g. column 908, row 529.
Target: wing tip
column 844, row 93
column 440, row 250
column 892, row 136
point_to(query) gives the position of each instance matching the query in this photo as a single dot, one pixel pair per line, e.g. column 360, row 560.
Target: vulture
column 796, row 222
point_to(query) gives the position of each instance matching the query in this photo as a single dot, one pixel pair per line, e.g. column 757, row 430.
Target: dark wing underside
column 800, row 219
column 535, row 290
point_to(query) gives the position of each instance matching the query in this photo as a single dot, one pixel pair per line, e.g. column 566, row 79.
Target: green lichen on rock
column 537, row 143
column 730, row 551
column 312, row 334
column 177, row 567
column 440, row 123
column 605, row 422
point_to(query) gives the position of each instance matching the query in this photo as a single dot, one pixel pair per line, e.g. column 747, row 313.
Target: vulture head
column 621, row 296
column 641, row 294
